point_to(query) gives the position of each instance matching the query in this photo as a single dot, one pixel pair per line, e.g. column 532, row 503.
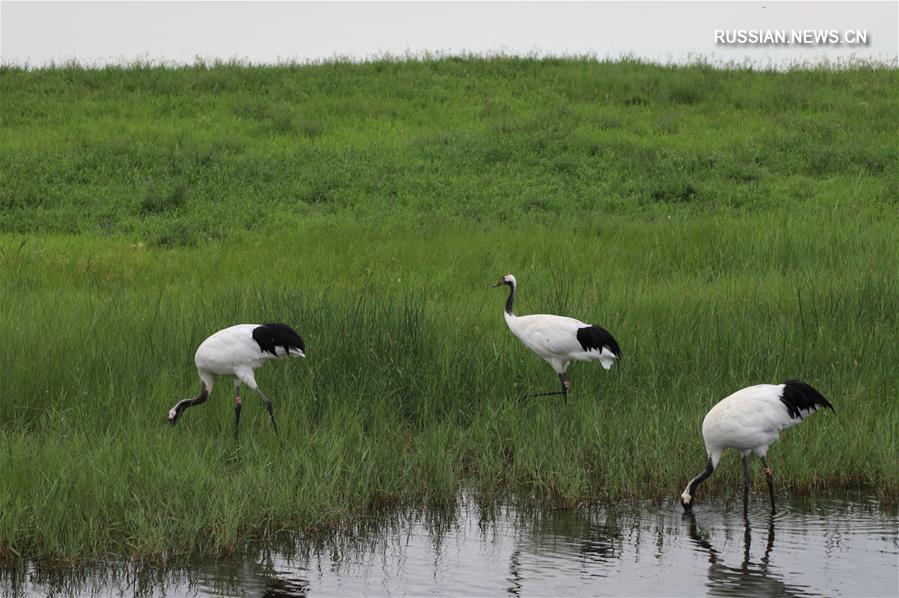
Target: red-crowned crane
column 237, row 351
column 750, row 420
column 559, row 340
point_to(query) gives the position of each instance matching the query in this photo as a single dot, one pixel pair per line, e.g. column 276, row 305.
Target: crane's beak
column 499, row 284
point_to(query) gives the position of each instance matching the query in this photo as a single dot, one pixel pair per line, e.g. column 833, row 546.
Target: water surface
column 826, row 547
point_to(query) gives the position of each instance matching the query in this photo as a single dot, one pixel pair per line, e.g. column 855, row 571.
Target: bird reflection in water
column 749, row 579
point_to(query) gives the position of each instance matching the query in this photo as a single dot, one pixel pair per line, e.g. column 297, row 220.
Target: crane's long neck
column 510, row 299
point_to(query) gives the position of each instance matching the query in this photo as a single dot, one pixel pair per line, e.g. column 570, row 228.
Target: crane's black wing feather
column 798, row 397
column 595, row 338
column 272, row 335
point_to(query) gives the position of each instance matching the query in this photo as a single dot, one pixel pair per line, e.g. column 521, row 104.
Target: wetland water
column 811, row 547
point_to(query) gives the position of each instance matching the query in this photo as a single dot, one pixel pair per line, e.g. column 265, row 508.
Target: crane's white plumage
column 554, row 338
column 558, row 339
column 750, row 420
column 234, row 351
column 237, row 351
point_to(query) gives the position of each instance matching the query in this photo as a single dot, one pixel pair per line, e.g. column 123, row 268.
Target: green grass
column 729, row 227
column 183, row 156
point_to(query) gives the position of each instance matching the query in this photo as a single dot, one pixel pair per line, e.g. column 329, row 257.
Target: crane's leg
column 268, row 407
column 746, row 481
column 769, row 477
column 236, row 405
column 176, row 411
column 566, row 388
column 246, row 376
column 544, row 394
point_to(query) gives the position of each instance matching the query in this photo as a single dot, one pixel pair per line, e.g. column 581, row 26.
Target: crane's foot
column 542, row 394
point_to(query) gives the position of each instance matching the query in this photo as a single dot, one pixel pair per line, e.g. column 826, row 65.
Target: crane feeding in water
column 750, row 420
column 237, row 351
column 559, row 340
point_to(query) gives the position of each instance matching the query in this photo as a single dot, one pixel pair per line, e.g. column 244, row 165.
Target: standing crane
column 750, row 420
column 237, row 351
column 559, row 340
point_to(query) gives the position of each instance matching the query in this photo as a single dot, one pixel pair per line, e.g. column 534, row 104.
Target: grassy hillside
column 729, row 227
column 185, row 155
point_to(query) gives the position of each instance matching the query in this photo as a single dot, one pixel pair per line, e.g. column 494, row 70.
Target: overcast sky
column 37, row 32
